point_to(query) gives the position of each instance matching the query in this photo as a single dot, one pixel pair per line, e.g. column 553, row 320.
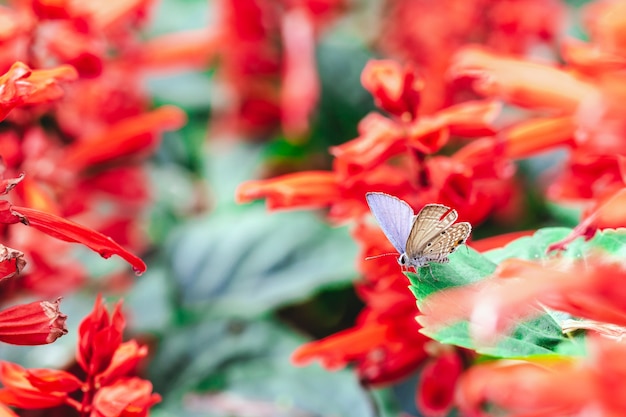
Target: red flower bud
column 35, row 323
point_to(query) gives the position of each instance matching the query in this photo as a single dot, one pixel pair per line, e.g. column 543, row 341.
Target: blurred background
column 268, row 86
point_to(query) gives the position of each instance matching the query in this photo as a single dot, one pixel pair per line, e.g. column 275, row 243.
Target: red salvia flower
column 66, row 230
column 21, row 86
column 106, row 389
column 20, row 391
column 437, row 385
column 127, row 397
column 100, row 336
column 35, row 323
column 385, row 344
column 272, row 83
column 548, row 387
column 428, row 34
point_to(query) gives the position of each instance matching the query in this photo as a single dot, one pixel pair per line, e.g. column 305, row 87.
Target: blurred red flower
column 385, row 344
column 35, row 323
column 267, row 61
column 550, row 386
column 76, row 68
column 106, row 389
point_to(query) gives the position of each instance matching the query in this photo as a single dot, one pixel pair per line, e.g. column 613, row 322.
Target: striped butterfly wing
column 446, row 242
column 431, row 221
column 394, row 217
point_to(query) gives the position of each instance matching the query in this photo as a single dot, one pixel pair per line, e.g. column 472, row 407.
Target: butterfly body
column 430, row 236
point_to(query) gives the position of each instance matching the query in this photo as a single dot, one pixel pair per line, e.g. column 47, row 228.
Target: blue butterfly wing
column 394, row 216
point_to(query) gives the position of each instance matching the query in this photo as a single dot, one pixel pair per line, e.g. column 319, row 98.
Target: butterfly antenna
column 379, row 256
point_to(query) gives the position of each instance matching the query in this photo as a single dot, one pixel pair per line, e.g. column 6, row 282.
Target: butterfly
column 428, row 237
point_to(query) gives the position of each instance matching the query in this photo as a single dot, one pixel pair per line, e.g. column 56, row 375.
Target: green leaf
column 565, row 215
column 466, row 266
column 539, row 336
column 529, row 247
column 242, row 261
column 246, row 363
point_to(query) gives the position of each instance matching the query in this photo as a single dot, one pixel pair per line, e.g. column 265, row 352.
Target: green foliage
column 228, row 262
column 249, row 362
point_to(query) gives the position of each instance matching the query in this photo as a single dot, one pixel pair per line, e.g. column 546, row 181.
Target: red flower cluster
column 41, row 322
column 429, row 34
column 77, row 124
column 462, row 157
column 76, row 127
column 105, row 391
column 395, row 154
column 267, row 61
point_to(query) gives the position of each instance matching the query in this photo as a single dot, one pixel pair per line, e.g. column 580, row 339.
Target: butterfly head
column 406, row 262
column 403, row 260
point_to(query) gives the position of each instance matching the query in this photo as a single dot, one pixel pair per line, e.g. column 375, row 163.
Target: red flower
column 304, row 189
column 549, row 387
column 21, row 86
column 68, row 231
column 521, row 82
column 543, row 388
column 435, row 390
column 395, row 89
column 106, row 390
column 127, row 397
column 271, row 82
column 428, row 34
column 28, row 388
column 100, row 336
column 35, row 323
column 385, row 344
column 125, row 138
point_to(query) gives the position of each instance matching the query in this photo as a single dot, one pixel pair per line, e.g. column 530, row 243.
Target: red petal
column 589, row 58
column 521, row 82
column 125, row 359
column 498, row 241
column 72, row 232
column 525, row 389
column 395, row 89
column 191, row 48
column 99, row 337
column 18, row 391
column 301, row 190
column 470, row 119
column 379, row 139
column 51, row 380
column 435, row 391
column 126, row 397
column 300, row 88
column 35, row 323
column 125, row 138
